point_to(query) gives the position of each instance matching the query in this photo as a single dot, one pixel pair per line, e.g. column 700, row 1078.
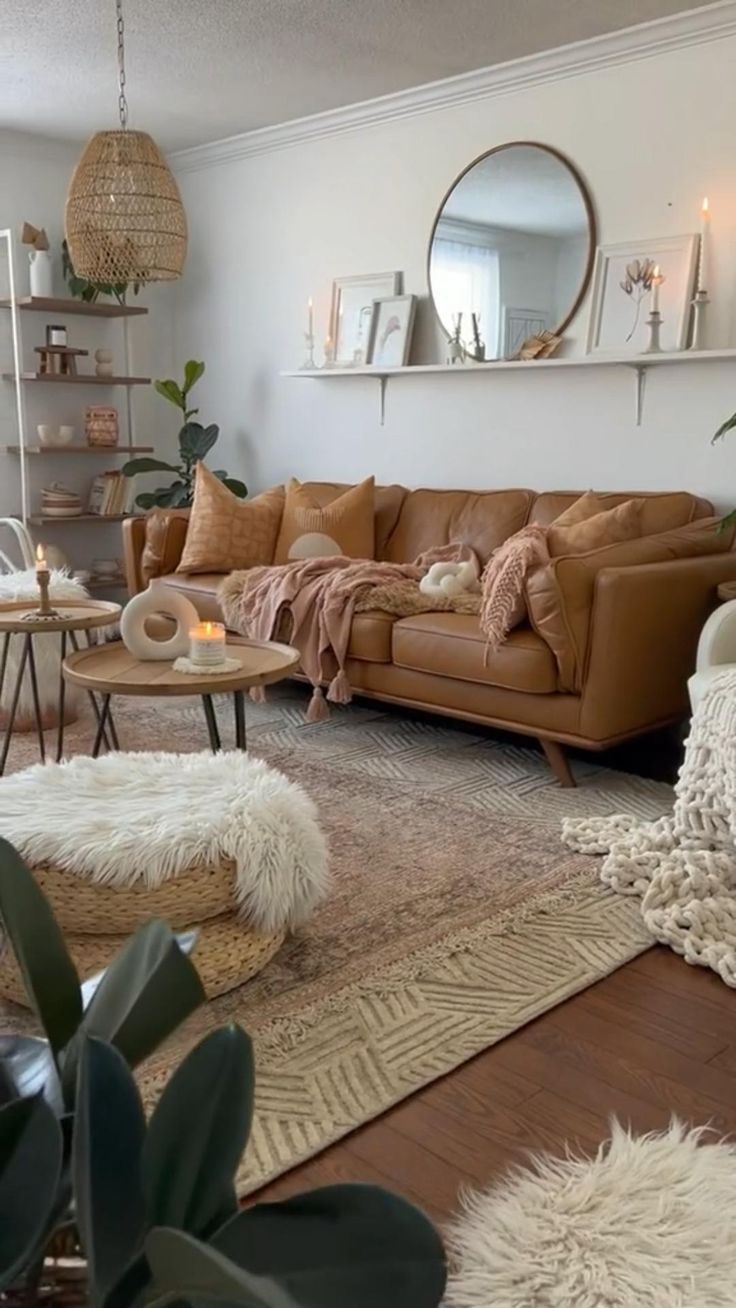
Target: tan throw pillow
column 592, row 533
column 345, row 526
column 226, row 532
column 585, row 506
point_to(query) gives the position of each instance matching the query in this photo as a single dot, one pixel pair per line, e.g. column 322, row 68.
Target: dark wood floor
column 654, row 1038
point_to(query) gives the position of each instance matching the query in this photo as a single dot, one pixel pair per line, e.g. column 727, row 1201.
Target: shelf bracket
column 382, row 381
column 640, row 383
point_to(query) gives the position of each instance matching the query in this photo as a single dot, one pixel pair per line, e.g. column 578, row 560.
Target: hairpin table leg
column 62, row 698
column 239, row 702
column 214, row 734
column 4, row 661
column 104, row 711
column 13, row 707
column 95, row 707
column 34, row 694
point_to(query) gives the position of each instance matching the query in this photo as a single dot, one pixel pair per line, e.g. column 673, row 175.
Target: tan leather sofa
column 612, row 634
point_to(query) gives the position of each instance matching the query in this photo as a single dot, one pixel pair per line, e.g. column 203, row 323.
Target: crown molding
column 693, row 27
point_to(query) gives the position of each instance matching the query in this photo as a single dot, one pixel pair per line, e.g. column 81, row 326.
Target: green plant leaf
column 170, row 391
column 726, row 426
column 160, row 499
column 197, row 1134
column 728, row 521
column 343, row 1244
column 184, row 1268
column 109, row 1130
column 181, row 497
column 146, row 992
column 196, row 441
column 237, row 487
column 193, row 370
column 49, row 975
column 27, row 1068
column 134, row 466
column 30, row 1168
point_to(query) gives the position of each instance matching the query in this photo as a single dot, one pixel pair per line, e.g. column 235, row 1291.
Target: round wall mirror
column 511, row 250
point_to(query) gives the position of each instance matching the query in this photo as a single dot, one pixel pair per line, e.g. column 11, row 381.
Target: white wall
column 651, row 137
column 34, row 177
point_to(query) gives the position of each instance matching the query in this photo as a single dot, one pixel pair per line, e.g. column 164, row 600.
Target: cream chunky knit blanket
column 683, row 866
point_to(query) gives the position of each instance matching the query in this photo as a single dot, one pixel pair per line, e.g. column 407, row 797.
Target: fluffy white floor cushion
column 23, row 586
column 143, row 818
column 650, row 1222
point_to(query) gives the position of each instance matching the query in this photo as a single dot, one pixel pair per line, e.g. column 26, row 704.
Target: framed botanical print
column 392, row 323
column 623, row 282
column 352, row 312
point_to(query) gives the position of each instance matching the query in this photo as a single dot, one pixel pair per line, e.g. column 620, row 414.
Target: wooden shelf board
column 38, row 518
column 61, row 304
column 119, row 583
column 532, row 365
column 78, row 380
column 109, row 450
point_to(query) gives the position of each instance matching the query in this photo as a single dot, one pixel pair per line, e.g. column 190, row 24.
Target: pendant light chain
column 122, row 102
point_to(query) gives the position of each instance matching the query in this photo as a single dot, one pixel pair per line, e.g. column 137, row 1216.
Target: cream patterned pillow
column 345, row 526
column 225, row 532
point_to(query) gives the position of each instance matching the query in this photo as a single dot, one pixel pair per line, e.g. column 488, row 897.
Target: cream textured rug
column 457, row 914
column 651, row 1220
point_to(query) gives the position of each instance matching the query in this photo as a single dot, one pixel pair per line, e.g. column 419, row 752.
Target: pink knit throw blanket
column 320, row 595
column 503, row 604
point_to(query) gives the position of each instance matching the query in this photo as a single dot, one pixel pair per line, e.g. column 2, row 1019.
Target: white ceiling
column 200, row 70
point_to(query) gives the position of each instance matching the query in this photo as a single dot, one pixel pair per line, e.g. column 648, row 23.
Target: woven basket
column 124, row 217
column 88, row 908
column 227, row 954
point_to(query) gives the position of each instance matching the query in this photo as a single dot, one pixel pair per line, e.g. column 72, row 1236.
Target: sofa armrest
column 645, row 625
column 134, row 539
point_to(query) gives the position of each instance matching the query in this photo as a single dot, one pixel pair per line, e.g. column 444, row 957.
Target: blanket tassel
column 339, row 691
column 318, row 709
column 258, row 694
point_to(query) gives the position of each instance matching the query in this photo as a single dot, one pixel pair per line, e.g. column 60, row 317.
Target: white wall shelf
column 639, row 364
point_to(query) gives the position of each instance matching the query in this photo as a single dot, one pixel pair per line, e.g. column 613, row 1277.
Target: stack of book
column 112, row 494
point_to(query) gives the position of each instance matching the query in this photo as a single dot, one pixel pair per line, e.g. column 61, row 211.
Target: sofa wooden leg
column 558, row 761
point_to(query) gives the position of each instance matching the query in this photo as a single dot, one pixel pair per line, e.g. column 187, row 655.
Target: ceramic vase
column 42, row 281
column 157, row 600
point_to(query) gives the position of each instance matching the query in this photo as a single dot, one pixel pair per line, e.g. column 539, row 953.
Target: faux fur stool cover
column 219, row 839
column 47, row 649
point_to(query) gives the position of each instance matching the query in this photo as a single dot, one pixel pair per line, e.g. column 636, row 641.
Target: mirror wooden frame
column 587, row 199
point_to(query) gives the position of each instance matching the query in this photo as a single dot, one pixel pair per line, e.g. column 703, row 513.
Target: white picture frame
column 392, row 324
column 618, row 319
column 351, row 314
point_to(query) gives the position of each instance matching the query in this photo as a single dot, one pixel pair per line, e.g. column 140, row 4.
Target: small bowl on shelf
column 54, row 436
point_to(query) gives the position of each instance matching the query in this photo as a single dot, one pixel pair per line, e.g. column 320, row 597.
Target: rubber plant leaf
column 109, row 1130
column 146, row 992
column 49, row 975
column 184, row 1268
column 197, row 1135
column 343, row 1244
column 30, row 1167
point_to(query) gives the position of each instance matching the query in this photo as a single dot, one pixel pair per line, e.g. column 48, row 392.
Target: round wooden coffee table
column 21, row 618
column 112, row 670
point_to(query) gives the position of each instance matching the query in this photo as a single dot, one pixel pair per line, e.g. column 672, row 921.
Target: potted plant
column 92, row 1195
column 195, row 441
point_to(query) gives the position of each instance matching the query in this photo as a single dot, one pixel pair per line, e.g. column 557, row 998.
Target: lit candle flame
column 40, row 559
column 705, row 210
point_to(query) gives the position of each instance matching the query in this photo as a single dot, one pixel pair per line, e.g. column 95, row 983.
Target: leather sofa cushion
column 166, row 531
column 560, row 594
column 481, row 519
column 453, row 645
column 660, row 511
column 370, row 637
column 201, row 589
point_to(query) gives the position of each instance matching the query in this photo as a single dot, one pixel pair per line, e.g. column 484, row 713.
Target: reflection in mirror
column 512, row 249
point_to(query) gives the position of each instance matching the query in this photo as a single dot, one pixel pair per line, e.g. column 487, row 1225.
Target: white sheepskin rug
column 650, row 1222
column 128, row 818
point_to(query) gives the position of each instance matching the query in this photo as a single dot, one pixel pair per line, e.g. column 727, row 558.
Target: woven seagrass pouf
column 221, row 844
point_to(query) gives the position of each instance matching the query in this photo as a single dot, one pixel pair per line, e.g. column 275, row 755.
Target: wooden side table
column 112, row 670
column 20, row 618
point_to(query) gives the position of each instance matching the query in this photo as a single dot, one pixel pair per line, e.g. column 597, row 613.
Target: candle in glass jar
column 207, row 644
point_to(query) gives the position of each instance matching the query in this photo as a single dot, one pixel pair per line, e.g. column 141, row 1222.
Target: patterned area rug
column 457, row 914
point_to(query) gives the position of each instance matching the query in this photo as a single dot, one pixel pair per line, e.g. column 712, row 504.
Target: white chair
column 23, row 542
column 716, row 650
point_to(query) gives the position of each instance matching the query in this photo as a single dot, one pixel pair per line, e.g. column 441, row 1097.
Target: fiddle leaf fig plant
column 195, row 443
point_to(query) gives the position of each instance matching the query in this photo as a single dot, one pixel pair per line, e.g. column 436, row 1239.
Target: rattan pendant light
column 124, row 218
